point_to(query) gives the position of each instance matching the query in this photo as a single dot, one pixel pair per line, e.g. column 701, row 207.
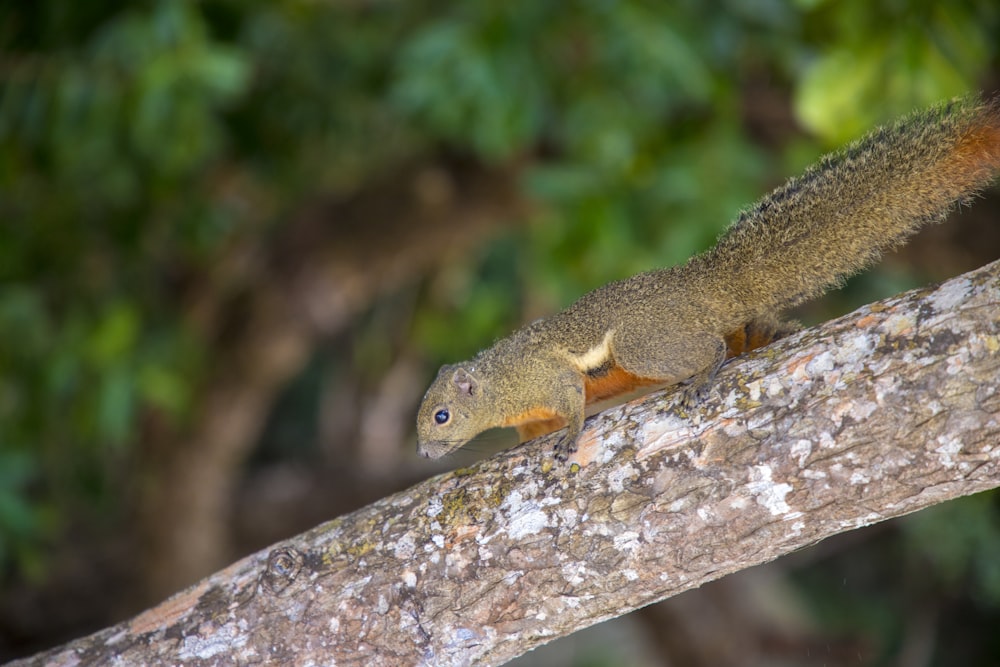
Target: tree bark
column 881, row 413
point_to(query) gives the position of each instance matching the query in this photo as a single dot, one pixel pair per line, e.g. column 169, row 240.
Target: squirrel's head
column 450, row 414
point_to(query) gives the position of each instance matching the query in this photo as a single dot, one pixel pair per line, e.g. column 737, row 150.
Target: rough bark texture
column 884, row 412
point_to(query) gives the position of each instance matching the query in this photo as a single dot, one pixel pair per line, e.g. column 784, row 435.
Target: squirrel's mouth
column 434, row 449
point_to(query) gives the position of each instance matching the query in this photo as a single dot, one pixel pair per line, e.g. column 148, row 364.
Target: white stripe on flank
column 595, row 356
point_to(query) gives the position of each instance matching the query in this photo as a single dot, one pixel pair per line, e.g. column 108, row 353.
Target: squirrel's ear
column 465, row 382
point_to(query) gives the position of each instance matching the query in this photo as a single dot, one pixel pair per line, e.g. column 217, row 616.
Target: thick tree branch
column 881, row 413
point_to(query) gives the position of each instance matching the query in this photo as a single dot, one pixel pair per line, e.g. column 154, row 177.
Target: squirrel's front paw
column 563, row 448
column 694, row 393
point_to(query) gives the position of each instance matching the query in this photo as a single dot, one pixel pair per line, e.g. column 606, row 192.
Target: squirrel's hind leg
column 756, row 333
column 695, row 389
column 673, row 357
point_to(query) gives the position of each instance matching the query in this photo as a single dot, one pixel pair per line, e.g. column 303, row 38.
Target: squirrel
column 679, row 324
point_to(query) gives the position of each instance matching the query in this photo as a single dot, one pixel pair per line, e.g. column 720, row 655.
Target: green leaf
column 115, row 405
column 114, row 336
column 164, row 388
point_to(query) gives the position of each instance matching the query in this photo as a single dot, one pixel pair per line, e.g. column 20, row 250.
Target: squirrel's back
column 843, row 212
column 678, row 324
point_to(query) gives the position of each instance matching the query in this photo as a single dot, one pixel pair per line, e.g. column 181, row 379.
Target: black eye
column 442, row 417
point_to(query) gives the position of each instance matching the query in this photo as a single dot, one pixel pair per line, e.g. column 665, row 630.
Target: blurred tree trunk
column 327, row 265
column 878, row 414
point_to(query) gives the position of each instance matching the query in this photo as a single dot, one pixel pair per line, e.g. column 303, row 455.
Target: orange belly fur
column 748, row 338
column 535, row 422
column 531, row 430
column 616, row 382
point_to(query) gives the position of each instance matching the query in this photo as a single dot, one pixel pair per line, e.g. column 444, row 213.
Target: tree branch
column 886, row 411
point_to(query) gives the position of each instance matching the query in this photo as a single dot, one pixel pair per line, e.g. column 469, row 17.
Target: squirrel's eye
column 441, row 417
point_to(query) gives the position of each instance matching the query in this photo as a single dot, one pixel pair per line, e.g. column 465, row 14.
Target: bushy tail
column 843, row 212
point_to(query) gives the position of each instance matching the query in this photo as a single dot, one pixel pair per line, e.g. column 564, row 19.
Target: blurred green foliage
column 139, row 140
column 960, row 541
column 937, row 574
column 927, row 55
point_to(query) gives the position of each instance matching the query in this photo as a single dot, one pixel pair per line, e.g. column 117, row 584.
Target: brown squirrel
column 679, row 324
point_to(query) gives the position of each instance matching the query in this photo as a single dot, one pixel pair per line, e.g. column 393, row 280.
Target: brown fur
column 679, row 324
